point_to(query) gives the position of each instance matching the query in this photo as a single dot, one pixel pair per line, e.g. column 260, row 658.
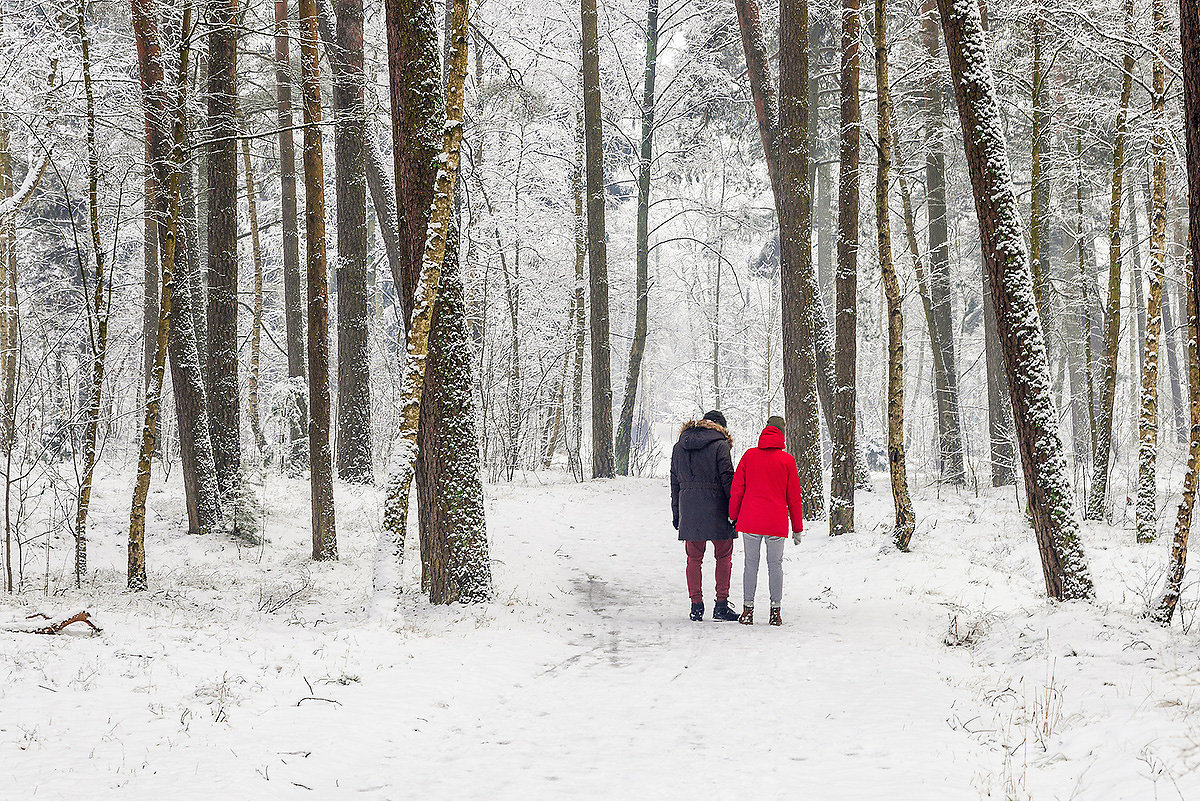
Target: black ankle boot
column 698, row 611
column 722, row 611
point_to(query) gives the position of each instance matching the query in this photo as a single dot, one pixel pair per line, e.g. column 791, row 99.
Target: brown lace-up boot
column 776, row 619
column 747, row 616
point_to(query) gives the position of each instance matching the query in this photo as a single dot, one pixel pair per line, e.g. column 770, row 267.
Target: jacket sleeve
column 737, row 489
column 674, row 490
column 795, row 506
column 725, row 467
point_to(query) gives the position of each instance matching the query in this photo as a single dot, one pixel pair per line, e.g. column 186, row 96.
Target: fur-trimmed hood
column 702, row 433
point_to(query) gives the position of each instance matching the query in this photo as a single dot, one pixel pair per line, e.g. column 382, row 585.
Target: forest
column 345, row 347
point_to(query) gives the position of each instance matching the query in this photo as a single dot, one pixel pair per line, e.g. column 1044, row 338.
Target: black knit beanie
column 716, row 417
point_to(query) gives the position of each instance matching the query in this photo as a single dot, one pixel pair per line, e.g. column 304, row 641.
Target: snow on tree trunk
column 1006, row 262
column 222, row 133
column 399, row 485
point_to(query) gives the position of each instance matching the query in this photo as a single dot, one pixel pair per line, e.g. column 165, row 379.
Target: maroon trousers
column 723, row 551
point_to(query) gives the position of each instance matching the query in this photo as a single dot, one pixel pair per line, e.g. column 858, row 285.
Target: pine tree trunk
column 293, row 286
column 1006, row 263
column 841, row 490
column 1146, row 509
column 324, row 531
column 223, row 388
column 1097, row 497
column 201, row 495
column 350, row 132
column 784, row 130
column 941, row 294
column 905, row 518
column 602, row 433
column 395, row 521
column 637, row 347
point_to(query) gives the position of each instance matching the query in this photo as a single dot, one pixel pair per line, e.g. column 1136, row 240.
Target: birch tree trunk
column 399, row 486
column 324, row 531
column 1146, row 509
column 905, row 519
column 1006, row 262
column 1097, row 497
column 1189, row 33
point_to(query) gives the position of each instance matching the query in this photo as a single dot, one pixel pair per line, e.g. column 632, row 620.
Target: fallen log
column 55, row 628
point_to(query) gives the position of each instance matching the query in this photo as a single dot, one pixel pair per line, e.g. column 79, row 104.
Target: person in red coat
column 764, row 495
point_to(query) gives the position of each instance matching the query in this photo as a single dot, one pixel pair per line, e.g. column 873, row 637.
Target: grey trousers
column 753, row 545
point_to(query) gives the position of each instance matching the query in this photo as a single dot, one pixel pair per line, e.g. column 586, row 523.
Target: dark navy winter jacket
column 701, row 475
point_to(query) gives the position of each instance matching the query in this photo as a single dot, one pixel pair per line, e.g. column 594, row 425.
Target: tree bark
column 783, row 128
column 223, row 388
column 637, row 347
column 841, row 490
column 293, row 287
column 1097, row 497
column 1189, row 33
column 324, row 531
column 602, row 430
column 353, row 319
column 1006, row 262
column 941, row 294
column 1146, row 508
column 905, row 519
column 260, row 441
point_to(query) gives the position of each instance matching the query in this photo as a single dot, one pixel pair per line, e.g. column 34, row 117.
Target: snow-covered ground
column 253, row 673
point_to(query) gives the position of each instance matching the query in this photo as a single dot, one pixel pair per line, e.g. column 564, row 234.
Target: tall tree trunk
column 1006, row 263
column 260, row 441
column 1146, row 509
column 1173, row 586
column 905, row 519
column 164, row 106
column 395, row 521
column 941, row 293
column 637, row 347
column 100, row 301
column 602, row 432
column 1173, row 371
column 1097, row 497
column 841, row 490
column 201, row 495
column 353, row 320
column 1038, row 211
column 783, row 128
column 1189, row 33
column 324, row 531
column 293, row 286
column 578, row 311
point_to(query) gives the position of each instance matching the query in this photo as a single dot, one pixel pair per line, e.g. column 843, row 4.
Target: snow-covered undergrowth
column 252, row 672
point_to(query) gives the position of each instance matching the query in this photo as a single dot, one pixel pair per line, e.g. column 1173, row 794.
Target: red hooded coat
column 766, row 489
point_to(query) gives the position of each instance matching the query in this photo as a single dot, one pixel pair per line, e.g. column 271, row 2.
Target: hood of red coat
column 771, row 437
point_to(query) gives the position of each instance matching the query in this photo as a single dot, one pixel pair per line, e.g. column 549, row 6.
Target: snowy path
column 838, row 703
column 585, row 679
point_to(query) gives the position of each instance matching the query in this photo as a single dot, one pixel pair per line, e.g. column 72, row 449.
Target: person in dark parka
column 701, row 475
